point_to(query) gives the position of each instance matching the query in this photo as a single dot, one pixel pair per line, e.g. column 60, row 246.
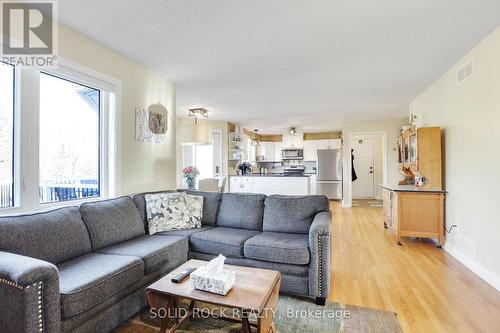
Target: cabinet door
column 310, row 150
column 269, row 150
column 287, row 141
column 278, row 146
column 334, row 144
column 247, row 187
column 235, row 184
column 298, row 141
column 321, row 144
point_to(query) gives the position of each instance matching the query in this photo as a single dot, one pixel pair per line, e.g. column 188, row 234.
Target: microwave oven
column 292, row 154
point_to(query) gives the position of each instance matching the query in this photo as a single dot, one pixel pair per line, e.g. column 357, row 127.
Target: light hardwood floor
column 428, row 289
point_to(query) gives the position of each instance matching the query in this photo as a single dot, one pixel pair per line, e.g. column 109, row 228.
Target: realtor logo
column 29, row 33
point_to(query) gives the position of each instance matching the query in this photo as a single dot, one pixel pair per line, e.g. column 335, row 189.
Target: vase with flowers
column 190, row 173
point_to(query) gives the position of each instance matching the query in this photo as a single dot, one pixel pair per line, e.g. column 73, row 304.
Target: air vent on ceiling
column 465, row 72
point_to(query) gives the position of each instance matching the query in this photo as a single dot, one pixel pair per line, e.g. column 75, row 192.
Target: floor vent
column 465, row 72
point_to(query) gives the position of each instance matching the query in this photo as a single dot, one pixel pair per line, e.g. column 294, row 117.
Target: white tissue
column 213, row 277
column 216, row 265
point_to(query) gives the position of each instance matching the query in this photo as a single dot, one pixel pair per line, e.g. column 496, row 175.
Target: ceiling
column 271, row 64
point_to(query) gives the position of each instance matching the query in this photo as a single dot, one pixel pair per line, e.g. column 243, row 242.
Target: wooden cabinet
column 414, row 213
column 420, row 150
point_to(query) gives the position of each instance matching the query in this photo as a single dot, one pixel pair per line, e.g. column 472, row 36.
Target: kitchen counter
column 269, row 175
column 270, row 184
column 411, row 188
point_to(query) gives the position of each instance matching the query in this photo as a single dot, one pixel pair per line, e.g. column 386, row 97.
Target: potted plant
column 189, row 173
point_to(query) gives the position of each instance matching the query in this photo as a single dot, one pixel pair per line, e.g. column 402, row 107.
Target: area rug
column 292, row 315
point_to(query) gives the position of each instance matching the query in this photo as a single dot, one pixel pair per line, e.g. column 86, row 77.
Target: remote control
column 182, row 275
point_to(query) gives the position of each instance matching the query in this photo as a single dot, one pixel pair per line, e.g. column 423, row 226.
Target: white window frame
column 26, row 137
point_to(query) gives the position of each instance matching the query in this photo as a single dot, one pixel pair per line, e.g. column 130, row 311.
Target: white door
column 363, row 163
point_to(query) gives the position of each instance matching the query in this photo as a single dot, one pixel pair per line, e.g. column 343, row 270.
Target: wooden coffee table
column 255, row 291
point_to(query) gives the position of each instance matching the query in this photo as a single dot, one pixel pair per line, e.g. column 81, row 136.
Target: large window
column 59, row 137
column 6, row 135
column 69, row 140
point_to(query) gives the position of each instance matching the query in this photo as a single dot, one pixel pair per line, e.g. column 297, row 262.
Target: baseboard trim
column 478, row 269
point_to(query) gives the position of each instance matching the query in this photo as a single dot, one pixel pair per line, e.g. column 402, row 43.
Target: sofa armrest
column 29, row 295
column 319, row 245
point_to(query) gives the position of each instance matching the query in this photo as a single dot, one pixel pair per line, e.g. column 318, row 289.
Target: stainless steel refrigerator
column 329, row 173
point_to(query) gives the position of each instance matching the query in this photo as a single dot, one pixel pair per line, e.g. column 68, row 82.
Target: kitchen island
column 270, row 184
column 414, row 211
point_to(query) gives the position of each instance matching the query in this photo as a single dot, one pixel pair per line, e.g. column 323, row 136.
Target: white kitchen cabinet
column 328, row 144
column 287, row 141
column 293, row 141
column 311, row 146
column 310, row 150
column 241, row 184
column 278, row 147
column 269, row 151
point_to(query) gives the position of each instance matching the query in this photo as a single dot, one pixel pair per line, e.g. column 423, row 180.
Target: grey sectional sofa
column 84, row 269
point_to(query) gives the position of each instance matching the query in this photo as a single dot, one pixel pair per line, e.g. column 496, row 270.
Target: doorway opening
column 207, row 159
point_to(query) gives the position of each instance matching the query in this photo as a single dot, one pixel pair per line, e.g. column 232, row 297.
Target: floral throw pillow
column 173, row 211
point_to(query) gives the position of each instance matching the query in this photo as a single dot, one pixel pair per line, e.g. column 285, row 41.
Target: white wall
column 469, row 114
column 144, row 166
column 391, row 128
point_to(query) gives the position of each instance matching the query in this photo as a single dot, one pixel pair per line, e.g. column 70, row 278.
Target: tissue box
column 219, row 283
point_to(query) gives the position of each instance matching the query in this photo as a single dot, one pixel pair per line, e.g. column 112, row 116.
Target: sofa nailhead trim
column 40, row 308
column 11, row 284
column 320, row 263
column 38, row 285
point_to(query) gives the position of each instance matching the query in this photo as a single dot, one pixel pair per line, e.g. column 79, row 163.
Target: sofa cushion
column 241, row 210
column 293, row 269
column 112, row 221
column 186, row 233
column 155, row 251
column 53, row 236
column 140, row 203
column 87, row 280
column 279, row 247
column 227, row 241
column 292, row 214
column 211, row 205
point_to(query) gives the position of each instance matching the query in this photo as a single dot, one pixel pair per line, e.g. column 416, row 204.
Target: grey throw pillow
column 173, row 211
